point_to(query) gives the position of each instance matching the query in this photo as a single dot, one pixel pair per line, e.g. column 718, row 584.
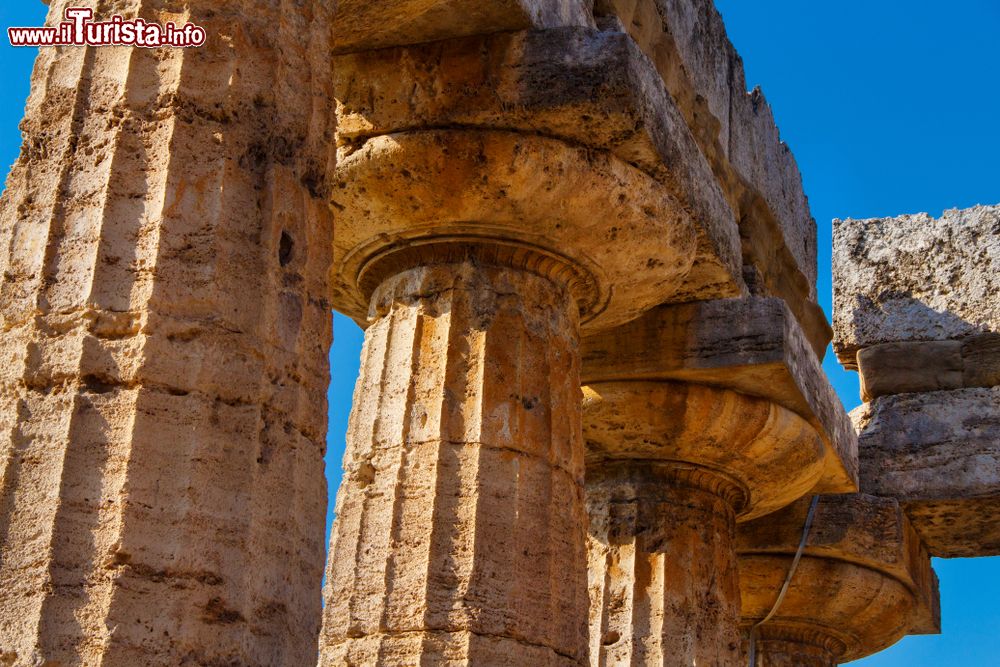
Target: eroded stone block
column 981, row 360
column 917, row 308
column 898, row 368
column 909, row 367
column 939, row 454
column 915, row 278
column 366, row 25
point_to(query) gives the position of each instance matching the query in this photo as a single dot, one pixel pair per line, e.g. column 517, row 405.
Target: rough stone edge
column 908, row 367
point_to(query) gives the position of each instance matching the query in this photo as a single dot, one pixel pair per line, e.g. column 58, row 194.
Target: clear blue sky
column 890, row 106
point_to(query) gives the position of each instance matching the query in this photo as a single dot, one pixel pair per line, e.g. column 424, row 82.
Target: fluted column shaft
column 164, row 247
column 460, row 522
column 663, row 578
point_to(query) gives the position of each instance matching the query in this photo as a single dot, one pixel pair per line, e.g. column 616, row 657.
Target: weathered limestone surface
column 753, row 346
column 367, row 25
column 865, row 581
column 460, row 526
column 939, row 454
column 915, row 278
column 163, row 362
column 687, row 41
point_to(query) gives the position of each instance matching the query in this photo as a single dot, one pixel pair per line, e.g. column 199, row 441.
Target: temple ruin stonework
column 591, row 426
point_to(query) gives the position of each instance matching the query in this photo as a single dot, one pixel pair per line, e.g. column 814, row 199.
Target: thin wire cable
column 788, row 580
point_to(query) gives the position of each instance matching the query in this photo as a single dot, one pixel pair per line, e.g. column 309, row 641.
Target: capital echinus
column 864, row 581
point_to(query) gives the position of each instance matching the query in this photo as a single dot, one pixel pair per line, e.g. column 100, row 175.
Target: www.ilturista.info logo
column 79, row 29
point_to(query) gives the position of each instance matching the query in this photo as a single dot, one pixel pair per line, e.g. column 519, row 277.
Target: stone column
column 165, row 253
column 664, row 488
column 672, row 466
column 668, row 531
column 498, row 195
column 479, row 331
column 459, row 533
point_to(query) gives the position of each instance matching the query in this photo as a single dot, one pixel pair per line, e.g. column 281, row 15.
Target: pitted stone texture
column 939, row 454
column 915, row 278
column 367, row 25
column 460, row 533
column 864, row 581
column 662, row 567
column 623, row 239
column 753, row 346
column 164, row 361
column 687, row 41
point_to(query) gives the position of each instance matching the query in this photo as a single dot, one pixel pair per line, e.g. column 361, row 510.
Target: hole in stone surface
column 610, row 637
column 97, row 385
column 365, row 474
column 286, row 249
